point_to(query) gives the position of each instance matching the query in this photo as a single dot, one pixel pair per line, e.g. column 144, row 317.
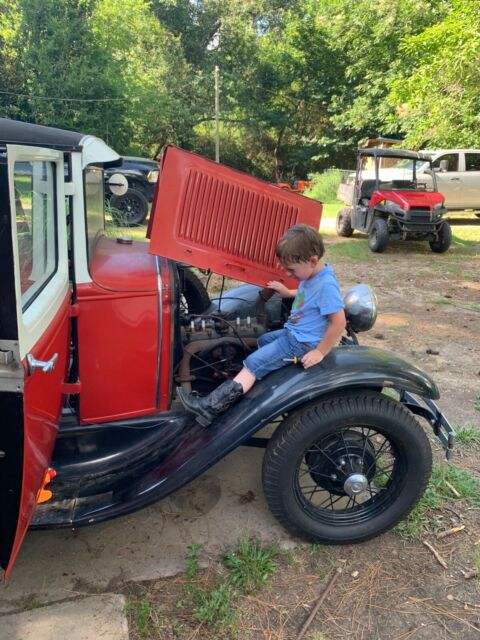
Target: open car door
column 34, row 330
column 213, row 217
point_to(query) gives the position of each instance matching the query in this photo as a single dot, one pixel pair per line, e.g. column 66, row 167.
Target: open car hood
column 216, row 218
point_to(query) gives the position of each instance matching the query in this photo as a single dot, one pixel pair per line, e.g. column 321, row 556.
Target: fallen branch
column 452, row 489
column 451, row 531
column 310, row 618
column 436, row 554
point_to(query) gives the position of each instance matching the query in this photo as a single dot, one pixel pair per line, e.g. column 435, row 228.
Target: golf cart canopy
column 393, row 153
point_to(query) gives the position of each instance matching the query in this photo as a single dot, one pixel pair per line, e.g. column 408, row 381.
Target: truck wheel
column 133, row 207
column 344, row 223
column 347, row 468
column 444, row 239
column 193, row 291
column 378, row 236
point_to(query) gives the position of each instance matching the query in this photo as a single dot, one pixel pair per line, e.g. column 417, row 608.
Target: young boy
column 315, row 324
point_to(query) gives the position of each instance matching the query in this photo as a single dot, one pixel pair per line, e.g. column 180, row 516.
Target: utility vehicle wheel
column 378, row 236
column 133, row 207
column 193, row 293
column 346, row 469
column 344, row 223
column 477, row 213
column 444, row 239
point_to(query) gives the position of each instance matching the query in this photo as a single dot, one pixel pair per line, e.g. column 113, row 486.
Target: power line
column 52, row 98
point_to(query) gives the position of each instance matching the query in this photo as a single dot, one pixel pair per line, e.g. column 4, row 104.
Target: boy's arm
column 281, row 289
column 336, row 326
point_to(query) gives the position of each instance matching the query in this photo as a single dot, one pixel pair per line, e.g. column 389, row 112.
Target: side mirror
column 443, row 165
column 118, row 184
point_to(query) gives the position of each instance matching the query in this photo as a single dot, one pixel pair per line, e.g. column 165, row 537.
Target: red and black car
column 96, row 331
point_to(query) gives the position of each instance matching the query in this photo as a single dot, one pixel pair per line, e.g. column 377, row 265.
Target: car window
column 452, row 159
column 472, row 162
column 94, row 203
column 35, row 197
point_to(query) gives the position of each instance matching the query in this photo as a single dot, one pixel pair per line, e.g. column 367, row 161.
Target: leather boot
column 207, row 408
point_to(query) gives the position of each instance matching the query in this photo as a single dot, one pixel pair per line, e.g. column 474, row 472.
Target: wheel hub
column 355, row 484
column 342, row 463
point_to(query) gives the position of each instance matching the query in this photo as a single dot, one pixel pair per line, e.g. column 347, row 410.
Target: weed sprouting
column 191, row 562
column 142, row 616
column 468, row 435
column 214, row 607
column 251, row 565
column 476, row 404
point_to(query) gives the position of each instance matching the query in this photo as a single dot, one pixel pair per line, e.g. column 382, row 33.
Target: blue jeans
column 273, row 347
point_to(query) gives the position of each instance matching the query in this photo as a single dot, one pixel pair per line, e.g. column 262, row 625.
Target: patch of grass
column 476, row 404
column 356, row 249
column 423, row 517
column 191, row 562
column 476, row 560
column 325, row 185
column 251, row 565
column 442, row 301
column 467, row 435
column 143, row 617
column 214, row 607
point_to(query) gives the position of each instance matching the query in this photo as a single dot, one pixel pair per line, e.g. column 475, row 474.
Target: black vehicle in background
column 141, row 175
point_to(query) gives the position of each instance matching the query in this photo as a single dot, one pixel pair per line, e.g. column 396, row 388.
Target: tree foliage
column 302, row 81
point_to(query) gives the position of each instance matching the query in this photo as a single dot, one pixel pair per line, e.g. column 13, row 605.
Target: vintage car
column 96, row 330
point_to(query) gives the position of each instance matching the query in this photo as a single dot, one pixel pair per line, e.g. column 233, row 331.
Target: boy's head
column 299, row 244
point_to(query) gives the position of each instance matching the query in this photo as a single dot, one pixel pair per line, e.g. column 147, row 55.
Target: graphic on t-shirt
column 296, row 315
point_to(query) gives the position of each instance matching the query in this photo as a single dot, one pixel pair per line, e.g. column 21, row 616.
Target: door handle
column 47, row 367
column 456, row 179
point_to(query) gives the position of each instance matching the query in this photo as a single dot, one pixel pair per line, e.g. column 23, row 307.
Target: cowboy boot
column 207, row 408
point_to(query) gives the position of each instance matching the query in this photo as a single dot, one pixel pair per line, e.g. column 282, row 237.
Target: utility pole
column 217, row 111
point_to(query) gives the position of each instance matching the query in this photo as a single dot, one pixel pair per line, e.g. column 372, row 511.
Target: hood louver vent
column 216, row 218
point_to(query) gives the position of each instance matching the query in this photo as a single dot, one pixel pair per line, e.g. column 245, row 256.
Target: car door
column 216, row 218
column 449, row 179
column 471, row 180
column 34, row 330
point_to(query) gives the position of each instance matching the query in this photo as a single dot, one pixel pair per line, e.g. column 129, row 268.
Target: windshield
column 399, row 173
column 94, row 204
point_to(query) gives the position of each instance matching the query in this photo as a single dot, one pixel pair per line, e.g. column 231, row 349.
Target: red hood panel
column 217, row 218
column 409, row 199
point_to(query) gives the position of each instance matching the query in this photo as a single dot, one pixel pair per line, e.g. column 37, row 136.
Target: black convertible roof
column 393, row 153
column 16, row 132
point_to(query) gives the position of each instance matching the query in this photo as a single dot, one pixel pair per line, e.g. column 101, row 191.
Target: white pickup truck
column 458, row 178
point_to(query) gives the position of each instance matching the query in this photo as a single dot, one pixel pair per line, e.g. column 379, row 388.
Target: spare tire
column 133, row 208
column 193, row 291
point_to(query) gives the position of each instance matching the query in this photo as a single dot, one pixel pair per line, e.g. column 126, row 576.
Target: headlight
column 152, row 176
column 440, row 205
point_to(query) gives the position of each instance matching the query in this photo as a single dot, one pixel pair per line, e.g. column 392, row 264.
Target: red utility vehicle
column 298, row 186
column 393, row 200
column 97, row 330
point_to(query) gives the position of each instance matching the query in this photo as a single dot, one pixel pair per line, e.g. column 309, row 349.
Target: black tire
column 193, row 292
column 344, row 223
column 444, row 239
column 365, row 433
column 378, row 236
column 133, row 207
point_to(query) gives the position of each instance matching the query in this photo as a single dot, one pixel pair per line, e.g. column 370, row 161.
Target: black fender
column 161, row 456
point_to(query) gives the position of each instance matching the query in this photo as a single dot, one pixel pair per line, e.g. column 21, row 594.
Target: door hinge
column 74, row 310
column 71, row 388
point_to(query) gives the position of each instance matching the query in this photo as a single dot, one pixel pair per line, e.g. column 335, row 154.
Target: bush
column 325, row 185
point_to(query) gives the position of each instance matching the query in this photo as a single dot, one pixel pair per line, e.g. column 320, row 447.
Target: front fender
column 190, row 450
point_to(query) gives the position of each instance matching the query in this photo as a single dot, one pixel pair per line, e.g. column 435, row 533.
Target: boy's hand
column 280, row 288
column 312, row 358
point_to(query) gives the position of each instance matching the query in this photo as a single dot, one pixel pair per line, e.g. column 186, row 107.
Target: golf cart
column 393, row 200
column 97, row 330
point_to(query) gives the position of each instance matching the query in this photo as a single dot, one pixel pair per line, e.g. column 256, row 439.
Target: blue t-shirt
column 316, row 298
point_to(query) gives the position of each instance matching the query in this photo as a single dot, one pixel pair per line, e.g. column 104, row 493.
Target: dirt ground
column 389, row 588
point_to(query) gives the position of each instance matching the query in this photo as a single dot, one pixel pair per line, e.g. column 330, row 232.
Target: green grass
column 330, row 209
column 251, row 565
column 467, row 435
column 143, row 618
column 476, row 404
column 425, row 516
column 355, row 249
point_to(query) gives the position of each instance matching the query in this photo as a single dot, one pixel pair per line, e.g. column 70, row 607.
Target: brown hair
column 299, row 244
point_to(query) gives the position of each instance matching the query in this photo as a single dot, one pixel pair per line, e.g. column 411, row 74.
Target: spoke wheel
column 346, row 469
